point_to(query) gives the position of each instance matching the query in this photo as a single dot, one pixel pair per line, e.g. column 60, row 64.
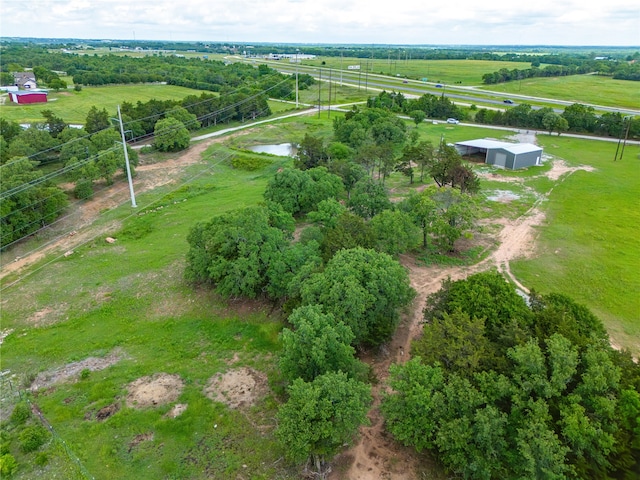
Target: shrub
column 83, row 189
column 32, row 438
column 20, row 413
column 42, row 459
column 8, row 465
column 249, row 163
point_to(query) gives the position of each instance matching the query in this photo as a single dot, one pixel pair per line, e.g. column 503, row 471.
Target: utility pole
column 297, row 50
column 319, row 87
column 329, row 111
column 126, row 160
column 626, row 135
column 366, row 77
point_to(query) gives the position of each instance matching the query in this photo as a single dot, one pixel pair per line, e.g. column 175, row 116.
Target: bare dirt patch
column 155, row 390
column 177, row 410
column 138, row 439
column 48, row 315
column 560, row 168
column 46, row 379
column 106, row 412
column 239, row 388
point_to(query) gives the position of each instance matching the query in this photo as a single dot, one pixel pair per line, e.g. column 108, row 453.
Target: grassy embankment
column 130, row 296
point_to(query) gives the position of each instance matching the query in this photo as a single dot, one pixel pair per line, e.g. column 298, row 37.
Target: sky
column 404, row 22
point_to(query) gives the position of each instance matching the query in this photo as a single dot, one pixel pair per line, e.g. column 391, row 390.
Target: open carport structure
column 502, row 154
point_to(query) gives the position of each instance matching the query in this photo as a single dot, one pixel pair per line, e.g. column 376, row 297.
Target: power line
column 49, row 176
column 194, row 177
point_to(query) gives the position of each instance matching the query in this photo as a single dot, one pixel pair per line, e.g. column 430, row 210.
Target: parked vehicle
column 453, row 120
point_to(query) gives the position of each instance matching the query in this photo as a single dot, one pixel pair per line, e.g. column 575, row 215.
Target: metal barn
column 23, row 97
column 503, row 154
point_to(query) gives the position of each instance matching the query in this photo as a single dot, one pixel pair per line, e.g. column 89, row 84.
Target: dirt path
column 376, row 455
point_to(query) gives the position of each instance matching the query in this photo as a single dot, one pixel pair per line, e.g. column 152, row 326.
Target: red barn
column 28, row 97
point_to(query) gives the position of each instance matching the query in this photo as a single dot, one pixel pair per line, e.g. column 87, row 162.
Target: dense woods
column 500, row 387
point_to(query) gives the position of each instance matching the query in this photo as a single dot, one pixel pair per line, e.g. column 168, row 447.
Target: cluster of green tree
column 374, row 143
column 499, row 388
column 338, row 278
column 350, row 300
column 30, row 198
column 196, row 73
column 576, row 118
column 620, row 70
column 377, row 140
column 431, row 106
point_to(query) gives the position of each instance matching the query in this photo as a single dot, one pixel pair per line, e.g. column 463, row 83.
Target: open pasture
column 73, row 106
column 586, row 89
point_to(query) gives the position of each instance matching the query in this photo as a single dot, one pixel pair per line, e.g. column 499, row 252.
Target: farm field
column 463, row 72
column 587, row 89
column 73, row 106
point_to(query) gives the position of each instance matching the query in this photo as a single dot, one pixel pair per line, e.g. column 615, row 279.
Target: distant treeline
column 196, row 73
column 620, row 70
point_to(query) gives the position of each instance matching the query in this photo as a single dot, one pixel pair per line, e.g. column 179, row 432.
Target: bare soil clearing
column 239, row 388
column 158, row 389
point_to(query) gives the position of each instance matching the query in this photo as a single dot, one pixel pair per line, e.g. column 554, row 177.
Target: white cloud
column 568, row 22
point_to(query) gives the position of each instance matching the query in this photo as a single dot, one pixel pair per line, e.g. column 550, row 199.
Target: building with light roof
column 502, row 154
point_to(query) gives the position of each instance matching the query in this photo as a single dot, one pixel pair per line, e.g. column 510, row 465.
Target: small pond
column 282, row 149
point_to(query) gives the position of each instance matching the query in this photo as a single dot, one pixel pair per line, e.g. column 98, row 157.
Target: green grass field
column 588, row 248
column 466, row 72
column 589, row 89
column 130, row 296
column 73, row 106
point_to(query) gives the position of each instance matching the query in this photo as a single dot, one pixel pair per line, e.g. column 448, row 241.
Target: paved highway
column 458, row 94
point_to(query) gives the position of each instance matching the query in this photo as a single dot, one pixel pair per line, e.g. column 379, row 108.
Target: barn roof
column 30, row 92
column 487, row 144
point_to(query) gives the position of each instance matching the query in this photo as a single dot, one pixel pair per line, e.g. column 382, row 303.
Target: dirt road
column 376, row 455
